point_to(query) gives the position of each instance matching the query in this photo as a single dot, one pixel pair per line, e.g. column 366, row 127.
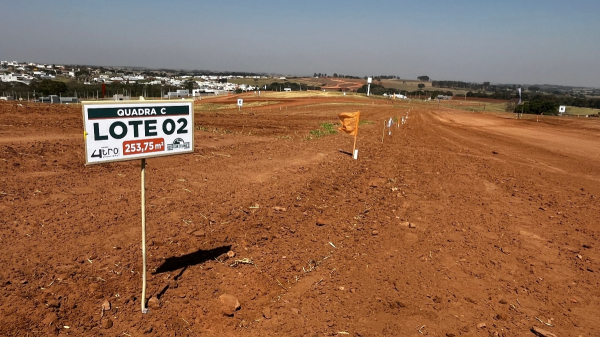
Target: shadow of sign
column 191, row 259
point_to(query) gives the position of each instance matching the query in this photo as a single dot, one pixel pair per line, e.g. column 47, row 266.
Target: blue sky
column 527, row 41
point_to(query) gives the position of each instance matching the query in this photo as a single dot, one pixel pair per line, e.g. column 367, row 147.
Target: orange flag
column 349, row 122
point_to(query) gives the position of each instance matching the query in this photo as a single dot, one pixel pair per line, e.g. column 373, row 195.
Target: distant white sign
column 369, row 80
column 137, row 129
column 240, row 102
column 562, row 109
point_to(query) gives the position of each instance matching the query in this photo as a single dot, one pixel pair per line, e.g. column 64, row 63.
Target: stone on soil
column 154, row 303
column 199, row 233
column 107, row 323
column 322, row 222
column 230, row 301
column 542, row 332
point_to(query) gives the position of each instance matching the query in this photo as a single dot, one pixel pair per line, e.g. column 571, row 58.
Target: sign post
column 143, row 301
column 130, row 130
column 369, row 80
column 240, row 102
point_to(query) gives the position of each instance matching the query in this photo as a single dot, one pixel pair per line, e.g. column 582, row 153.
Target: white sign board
column 562, row 109
column 240, row 102
column 369, row 80
column 137, row 129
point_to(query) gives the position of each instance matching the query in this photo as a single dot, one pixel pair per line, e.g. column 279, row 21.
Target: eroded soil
column 458, row 224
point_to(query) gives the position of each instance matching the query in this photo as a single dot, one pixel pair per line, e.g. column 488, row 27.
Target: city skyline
column 535, row 42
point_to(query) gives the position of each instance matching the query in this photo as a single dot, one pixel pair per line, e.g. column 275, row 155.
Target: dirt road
column 459, row 224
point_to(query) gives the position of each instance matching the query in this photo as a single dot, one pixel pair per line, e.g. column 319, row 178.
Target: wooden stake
column 354, row 147
column 143, row 300
column 383, row 134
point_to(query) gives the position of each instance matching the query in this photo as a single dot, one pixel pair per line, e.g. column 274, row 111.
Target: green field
column 476, row 106
column 577, row 111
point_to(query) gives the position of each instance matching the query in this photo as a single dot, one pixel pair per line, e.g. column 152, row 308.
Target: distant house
column 55, row 99
column 287, row 89
column 178, row 93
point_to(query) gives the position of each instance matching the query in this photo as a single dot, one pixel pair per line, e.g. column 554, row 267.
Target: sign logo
column 178, row 143
column 105, row 152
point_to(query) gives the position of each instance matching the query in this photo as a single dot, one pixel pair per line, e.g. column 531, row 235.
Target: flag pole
column 355, row 135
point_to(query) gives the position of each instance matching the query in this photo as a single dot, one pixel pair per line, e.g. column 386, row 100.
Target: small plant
column 324, row 130
column 329, row 128
column 364, row 121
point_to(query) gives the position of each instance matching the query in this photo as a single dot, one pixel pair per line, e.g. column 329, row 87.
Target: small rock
column 322, row 222
column 279, row 209
column 579, row 256
column 230, row 301
column 295, row 310
column 541, row 332
column 53, row 303
column 412, row 225
column 503, row 301
column 342, row 288
column 405, row 223
column 231, row 254
column 573, row 300
column 154, row 303
column 501, row 317
column 106, row 324
column 376, row 182
column 375, row 232
column 227, row 310
column 223, row 257
column 267, row 313
column 587, row 246
column 24, row 282
column 481, row 325
column 106, row 305
column 148, row 330
column 50, row 318
column 199, row 233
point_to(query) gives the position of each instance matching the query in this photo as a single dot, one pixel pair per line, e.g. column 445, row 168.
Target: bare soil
column 458, row 224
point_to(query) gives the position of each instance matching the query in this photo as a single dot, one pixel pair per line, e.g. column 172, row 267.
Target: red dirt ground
column 504, row 233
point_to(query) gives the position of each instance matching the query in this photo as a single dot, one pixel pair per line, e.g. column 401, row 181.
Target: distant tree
column 190, row 85
column 533, row 89
column 421, row 85
column 537, row 107
column 49, row 87
column 510, row 107
column 335, row 75
column 423, row 78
